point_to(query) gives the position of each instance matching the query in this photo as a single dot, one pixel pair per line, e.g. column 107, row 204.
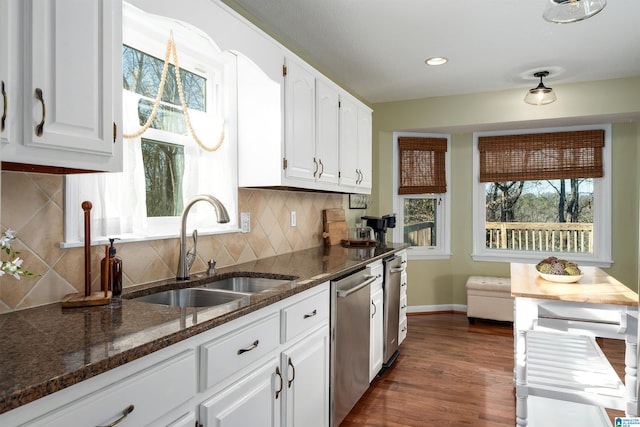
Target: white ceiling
column 377, row 48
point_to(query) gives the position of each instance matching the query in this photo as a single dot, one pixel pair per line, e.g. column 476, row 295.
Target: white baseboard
column 459, row 308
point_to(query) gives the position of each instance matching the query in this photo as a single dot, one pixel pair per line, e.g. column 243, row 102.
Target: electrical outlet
column 293, row 218
column 245, row 221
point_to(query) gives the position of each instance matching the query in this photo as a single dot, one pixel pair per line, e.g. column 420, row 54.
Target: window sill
column 130, row 238
column 418, row 254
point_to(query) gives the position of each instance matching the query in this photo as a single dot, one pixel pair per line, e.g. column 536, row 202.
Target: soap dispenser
column 115, row 271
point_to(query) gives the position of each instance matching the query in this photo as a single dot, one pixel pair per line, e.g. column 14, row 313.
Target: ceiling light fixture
column 436, row 60
column 567, row 11
column 540, row 95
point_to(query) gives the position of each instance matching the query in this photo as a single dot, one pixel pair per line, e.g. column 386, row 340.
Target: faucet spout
column 223, row 217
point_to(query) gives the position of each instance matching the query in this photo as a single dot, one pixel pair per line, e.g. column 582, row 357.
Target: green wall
column 443, row 282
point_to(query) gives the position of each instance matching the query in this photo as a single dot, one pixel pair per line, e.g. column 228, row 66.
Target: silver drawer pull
column 125, row 412
column 313, row 313
column 253, row 346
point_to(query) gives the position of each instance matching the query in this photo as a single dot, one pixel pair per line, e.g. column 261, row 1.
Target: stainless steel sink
column 192, row 297
column 247, row 284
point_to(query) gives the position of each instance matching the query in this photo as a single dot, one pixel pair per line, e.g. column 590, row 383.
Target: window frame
column 601, row 256
column 442, row 250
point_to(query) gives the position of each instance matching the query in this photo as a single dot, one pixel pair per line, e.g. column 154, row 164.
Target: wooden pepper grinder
column 89, row 298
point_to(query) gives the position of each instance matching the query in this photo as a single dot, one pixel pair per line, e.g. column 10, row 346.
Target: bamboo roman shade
column 555, row 155
column 422, row 165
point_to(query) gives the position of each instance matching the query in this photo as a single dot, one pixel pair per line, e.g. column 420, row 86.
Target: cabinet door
column 307, row 381
column 327, row 132
column 349, row 175
column 299, row 122
column 376, row 341
column 69, row 98
column 254, row 400
column 10, row 64
column 364, row 150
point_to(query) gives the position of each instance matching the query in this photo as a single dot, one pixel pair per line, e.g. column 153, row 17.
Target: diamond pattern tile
column 32, row 204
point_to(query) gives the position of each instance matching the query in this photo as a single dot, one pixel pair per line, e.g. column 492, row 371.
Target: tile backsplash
column 32, row 205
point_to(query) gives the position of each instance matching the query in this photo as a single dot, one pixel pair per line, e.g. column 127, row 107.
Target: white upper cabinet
column 355, row 145
column 327, row 132
column 364, row 150
column 71, row 85
column 299, row 121
column 10, row 45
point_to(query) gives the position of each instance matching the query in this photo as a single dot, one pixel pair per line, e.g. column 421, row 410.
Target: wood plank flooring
column 451, row 373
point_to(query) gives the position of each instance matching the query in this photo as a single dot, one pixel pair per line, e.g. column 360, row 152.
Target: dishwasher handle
column 342, row 293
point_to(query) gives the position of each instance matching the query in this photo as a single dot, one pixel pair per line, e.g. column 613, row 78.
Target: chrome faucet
column 223, row 217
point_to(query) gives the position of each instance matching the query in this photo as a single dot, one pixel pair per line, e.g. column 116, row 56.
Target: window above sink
column 165, row 165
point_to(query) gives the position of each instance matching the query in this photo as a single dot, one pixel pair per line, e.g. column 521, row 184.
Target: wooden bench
column 489, row 298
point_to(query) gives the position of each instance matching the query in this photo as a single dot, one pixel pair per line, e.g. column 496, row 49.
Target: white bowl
column 560, row 278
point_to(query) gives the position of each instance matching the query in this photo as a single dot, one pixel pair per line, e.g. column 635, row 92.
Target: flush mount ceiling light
column 540, row 95
column 436, row 60
column 567, row 11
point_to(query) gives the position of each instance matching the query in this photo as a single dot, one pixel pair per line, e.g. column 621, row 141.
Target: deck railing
column 420, row 234
column 547, row 236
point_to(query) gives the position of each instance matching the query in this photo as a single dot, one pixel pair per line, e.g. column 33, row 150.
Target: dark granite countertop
column 48, row 348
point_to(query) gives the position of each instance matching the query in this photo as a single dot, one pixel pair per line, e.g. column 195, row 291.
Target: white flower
column 13, row 267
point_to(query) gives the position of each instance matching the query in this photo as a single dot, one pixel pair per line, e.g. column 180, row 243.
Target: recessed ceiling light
column 436, row 60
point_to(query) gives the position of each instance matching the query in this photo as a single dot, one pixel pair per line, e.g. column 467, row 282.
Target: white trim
column 442, row 251
column 601, row 215
column 462, row 308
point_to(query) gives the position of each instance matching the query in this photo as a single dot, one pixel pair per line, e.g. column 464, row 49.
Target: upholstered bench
column 489, row 298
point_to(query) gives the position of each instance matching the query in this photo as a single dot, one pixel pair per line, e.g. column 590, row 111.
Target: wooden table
column 555, row 354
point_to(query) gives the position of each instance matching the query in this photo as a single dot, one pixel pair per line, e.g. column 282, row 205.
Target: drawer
column 224, row 356
column 153, row 392
column 403, row 306
column 305, row 315
column 402, row 330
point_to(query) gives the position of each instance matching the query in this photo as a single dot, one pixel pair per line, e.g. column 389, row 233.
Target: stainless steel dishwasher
column 393, row 268
column 349, row 368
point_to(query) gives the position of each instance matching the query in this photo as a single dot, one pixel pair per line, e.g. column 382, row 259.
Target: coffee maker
column 380, row 226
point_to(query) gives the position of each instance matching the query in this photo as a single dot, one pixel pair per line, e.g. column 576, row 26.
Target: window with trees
column 421, row 173
column 543, row 193
column 179, row 137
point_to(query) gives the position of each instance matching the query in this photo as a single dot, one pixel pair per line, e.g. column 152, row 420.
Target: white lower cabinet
column 402, row 328
column 255, row 379
column 251, row 401
column 138, row 399
column 376, row 329
column 306, row 381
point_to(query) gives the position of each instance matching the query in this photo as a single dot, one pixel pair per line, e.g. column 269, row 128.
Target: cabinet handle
column 375, row 309
column 125, row 413
column 315, row 162
column 321, row 168
column 313, row 313
column 293, row 376
column 4, row 108
column 279, row 376
column 40, row 126
column 252, row 347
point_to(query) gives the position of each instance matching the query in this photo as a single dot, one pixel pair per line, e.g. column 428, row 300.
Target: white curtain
column 119, row 199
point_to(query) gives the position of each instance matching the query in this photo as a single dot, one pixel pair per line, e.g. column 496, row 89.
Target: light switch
column 293, row 218
column 245, row 221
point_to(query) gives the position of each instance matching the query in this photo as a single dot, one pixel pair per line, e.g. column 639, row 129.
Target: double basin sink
column 215, row 293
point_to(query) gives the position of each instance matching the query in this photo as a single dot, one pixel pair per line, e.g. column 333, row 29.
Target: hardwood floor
column 451, row 373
